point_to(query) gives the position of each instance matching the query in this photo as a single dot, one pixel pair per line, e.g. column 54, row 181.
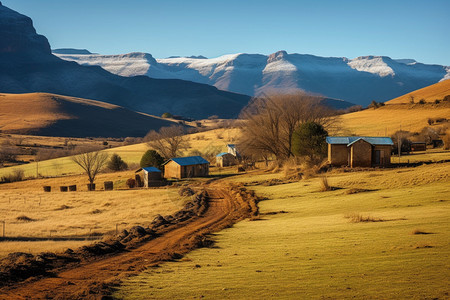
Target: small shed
column 418, row 146
column 225, row 159
column 359, row 151
column 151, row 176
column 186, row 167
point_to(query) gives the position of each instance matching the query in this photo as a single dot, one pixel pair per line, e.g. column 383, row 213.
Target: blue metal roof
column 151, row 169
column 348, row 140
column 189, row 161
column 221, row 154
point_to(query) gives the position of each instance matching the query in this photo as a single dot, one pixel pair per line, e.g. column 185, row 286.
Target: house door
column 377, row 157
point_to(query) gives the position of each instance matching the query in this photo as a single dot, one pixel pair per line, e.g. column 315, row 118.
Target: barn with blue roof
column 359, row 151
column 186, row 167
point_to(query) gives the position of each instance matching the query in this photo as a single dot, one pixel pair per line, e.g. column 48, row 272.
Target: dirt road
column 92, row 280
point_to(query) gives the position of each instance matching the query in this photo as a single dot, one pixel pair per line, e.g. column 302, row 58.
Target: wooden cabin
column 148, row 177
column 225, row 159
column 359, row 151
column 186, row 167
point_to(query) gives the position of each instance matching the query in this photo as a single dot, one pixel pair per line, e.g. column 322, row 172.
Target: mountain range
column 27, row 65
column 358, row 80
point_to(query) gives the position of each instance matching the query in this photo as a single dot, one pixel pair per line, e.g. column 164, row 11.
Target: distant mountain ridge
column 358, row 80
column 27, row 65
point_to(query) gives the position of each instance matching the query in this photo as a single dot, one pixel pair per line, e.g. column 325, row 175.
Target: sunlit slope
column 388, row 119
column 55, row 115
column 430, row 93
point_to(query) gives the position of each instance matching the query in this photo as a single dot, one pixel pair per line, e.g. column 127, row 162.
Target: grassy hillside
column 388, row 119
column 209, row 142
column 429, row 93
column 55, row 115
column 306, row 246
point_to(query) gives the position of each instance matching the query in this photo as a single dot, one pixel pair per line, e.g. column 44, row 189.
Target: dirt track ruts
column 91, row 280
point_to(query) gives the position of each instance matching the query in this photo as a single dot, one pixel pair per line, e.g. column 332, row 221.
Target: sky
column 416, row 29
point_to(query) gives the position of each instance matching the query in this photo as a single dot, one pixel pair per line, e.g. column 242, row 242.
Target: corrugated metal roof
column 189, row 161
column 151, row 169
column 348, row 140
column 221, row 154
column 231, row 145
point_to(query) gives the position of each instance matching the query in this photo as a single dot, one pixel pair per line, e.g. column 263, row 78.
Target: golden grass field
column 213, row 141
column 77, row 216
column 386, row 120
column 429, row 94
column 315, row 251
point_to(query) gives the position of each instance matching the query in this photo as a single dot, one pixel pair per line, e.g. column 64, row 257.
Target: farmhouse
column 225, row 159
column 186, row 167
column 359, row 151
column 151, row 176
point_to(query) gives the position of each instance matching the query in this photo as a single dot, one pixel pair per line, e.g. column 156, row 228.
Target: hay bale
column 91, row 186
column 73, row 188
column 47, row 188
column 109, row 185
column 63, row 188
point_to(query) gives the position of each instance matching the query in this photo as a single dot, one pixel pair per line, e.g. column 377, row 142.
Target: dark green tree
column 309, row 140
column 116, row 163
column 151, row 158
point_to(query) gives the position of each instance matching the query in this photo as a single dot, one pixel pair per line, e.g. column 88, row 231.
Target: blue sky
column 397, row 28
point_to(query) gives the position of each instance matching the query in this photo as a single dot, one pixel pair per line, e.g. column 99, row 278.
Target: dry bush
column 446, row 140
column 324, row 185
column 292, row 169
column 359, row 218
column 16, row 175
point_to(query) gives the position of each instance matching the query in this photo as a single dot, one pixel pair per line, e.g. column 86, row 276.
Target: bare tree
column 270, row 122
column 91, row 163
column 169, row 141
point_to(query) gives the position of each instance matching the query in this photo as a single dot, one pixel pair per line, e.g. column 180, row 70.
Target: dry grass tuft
column 24, row 218
column 96, row 211
column 324, row 185
column 359, row 218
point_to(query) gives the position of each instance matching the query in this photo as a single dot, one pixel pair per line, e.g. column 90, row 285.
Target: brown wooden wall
column 361, row 154
column 338, row 155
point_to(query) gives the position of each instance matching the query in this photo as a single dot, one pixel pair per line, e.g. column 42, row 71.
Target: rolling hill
column 55, row 115
column 399, row 113
column 359, row 80
column 430, row 93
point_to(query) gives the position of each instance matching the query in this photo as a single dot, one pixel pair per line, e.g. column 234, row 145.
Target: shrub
column 422, row 101
column 309, row 140
column 166, row 115
column 131, row 183
column 116, row 163
column 151, row 158
column 446, row 98
column 16, row 175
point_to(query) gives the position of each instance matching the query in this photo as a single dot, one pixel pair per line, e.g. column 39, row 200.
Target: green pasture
column 305, row 247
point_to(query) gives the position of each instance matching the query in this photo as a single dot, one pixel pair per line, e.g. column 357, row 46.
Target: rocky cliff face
column 17, row 34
